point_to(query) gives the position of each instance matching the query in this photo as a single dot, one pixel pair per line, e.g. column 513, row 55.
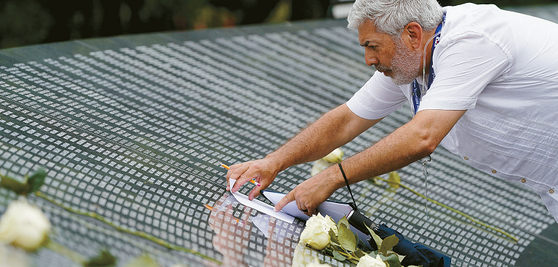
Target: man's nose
column 370, row 59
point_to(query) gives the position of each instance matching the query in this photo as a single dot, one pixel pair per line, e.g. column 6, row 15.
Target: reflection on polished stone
column 239, row 239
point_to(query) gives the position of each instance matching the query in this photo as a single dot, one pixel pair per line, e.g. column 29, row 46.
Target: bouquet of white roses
column 338, row 241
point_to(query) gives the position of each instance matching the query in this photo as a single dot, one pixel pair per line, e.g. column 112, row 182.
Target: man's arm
column 409, row 143
column 332, row 130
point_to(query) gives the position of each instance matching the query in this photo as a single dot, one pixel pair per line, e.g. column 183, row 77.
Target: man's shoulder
column 473, row 18
column 490, row 19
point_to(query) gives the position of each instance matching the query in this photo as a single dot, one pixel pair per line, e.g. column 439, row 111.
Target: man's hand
column 262, row 171
column 312, row 192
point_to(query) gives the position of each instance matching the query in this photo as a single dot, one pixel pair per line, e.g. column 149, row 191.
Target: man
column 483, row 82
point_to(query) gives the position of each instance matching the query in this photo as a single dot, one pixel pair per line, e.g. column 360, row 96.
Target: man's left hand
column 312, row 192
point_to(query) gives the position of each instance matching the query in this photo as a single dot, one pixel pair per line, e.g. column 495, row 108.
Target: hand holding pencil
column 251, row 181
column 259, row 172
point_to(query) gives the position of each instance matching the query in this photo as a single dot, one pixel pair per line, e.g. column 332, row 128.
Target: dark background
column 27, row 22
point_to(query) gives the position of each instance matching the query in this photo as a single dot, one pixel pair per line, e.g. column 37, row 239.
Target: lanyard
column 417, row 93
column 416, row 96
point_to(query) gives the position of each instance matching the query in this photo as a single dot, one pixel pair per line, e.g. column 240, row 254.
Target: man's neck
column 428, row 41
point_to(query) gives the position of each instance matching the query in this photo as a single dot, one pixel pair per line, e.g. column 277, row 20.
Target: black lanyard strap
column 348, row 187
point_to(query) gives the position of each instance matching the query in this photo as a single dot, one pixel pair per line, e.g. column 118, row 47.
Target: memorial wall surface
column 133, row 130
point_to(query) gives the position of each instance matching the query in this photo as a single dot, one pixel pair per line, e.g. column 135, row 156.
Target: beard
column 405, row 64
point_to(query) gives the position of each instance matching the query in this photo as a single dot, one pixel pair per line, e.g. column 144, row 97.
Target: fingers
column 301, row 206
column 307, row 208
column 252, row 173
column 311, row 211
column 261, row 171
column 241, row 173
column 256, row 192
column 235, row 172
column 308, row 195
column 284, row 201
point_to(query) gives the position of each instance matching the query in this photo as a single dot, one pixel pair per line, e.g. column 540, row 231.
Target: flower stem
column 125, row 230
column 348, row 256
column 64, row 251
column 454, row 210
column 13, row 184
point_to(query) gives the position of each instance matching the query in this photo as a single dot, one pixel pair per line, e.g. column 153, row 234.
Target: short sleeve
column 464, row 67
column 377, row 98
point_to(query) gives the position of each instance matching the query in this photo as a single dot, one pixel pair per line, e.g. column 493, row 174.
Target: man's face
column 391, row 57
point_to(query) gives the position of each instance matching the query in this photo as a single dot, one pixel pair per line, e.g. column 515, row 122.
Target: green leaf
column 376, row 237
column 359, row 253
column 29, row 184
column 13, row 185
column 338, row 256
column 333, row 237
column 36, row 180
column 328, row 250
column 346, row 236
column 391, row 260
column 394, row 180
column 104, row 259
column 360, row 243
column 343, row 221
column 388, row 243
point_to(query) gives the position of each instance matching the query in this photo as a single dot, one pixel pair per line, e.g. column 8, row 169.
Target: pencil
column 251, row 181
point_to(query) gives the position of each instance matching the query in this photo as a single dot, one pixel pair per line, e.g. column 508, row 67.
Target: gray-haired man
column 482, row 82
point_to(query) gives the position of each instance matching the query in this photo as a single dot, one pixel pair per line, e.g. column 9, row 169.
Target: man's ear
column 412, row 33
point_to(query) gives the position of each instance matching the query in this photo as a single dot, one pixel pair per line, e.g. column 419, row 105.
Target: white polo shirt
column 502, row 67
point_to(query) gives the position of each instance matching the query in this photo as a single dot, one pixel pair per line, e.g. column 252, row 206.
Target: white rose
column 24, row 226
column 315, row 237
column 319, row 166
column 368, row 261
column 325, row 222
column 13, row 257
column 316, row 232
column 335, row 156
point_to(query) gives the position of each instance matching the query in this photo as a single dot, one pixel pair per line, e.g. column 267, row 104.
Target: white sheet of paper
column 261, row 206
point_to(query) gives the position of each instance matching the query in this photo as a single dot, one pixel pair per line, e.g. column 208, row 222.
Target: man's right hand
column 262, row 171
